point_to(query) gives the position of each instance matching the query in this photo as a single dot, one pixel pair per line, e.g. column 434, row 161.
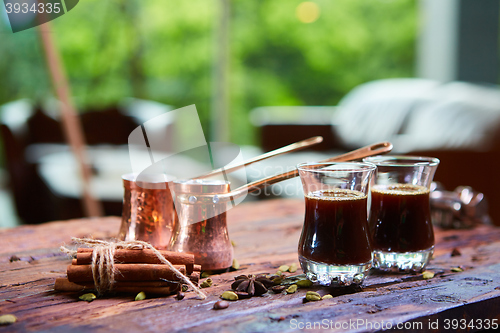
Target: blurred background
column 262, row 74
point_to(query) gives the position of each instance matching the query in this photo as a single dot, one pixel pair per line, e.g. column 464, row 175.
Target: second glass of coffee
column 400, row 221
column 334, row 247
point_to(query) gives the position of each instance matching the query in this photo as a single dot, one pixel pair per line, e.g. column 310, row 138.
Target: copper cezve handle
column 375, row 149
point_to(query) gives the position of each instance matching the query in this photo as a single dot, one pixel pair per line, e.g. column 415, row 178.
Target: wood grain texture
column 266, row 236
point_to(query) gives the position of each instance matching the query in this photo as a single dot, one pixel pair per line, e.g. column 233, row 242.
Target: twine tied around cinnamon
column 103, row 263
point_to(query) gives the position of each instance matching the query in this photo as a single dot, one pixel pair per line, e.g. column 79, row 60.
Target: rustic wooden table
column 266, row 236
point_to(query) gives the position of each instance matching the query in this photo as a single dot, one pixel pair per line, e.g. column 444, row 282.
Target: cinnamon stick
column 127, row 272
column 194, row 276
column 152, row 287
column 84, row 257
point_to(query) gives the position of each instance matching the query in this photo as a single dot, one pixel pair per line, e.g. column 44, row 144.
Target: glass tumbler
column 400, row 220
column 334, row 247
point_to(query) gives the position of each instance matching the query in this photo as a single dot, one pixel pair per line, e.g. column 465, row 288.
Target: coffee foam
column 400, row 189
column 336, row 195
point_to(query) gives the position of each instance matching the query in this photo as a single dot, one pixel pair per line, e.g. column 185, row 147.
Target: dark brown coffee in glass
column 335, row 228
column 400, row 218
column 401, row 230
column 334, row 247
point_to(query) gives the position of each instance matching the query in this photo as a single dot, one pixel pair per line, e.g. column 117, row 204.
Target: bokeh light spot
column 307, row 12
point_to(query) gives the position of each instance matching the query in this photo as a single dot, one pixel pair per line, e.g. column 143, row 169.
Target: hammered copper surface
column 202, row 228
column 148, row 214
column 208, row 240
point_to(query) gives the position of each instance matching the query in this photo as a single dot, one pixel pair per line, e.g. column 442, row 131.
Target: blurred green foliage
column 163, row 50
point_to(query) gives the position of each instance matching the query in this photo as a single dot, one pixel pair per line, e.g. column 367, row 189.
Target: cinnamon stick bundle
column 134, row 271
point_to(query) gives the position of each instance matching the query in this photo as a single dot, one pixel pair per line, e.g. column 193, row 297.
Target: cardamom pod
column 292, row 289
column 313, row 296
column 293, row 268
column 427, row 275
column 283, row 268
column 457, row 269
column 88, row 297
column 273, row 276
column 207, row 283
column 236, row 264
column 304, row 283
column 277, row 281
column 229, row 296
column 7, row 319
column 140, row 296
column 184, row 287
column 327, row 296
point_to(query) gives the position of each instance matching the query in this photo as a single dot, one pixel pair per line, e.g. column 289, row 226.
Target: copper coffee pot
column 148, row 212
column 201, row 228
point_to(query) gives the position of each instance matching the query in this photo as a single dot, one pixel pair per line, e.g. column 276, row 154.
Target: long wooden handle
column 71, row 123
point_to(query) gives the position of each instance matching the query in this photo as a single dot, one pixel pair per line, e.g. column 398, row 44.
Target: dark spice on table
column 251, row 285
column 219, row 305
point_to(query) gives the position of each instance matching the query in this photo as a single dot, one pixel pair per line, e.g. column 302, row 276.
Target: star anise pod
column 251, row 285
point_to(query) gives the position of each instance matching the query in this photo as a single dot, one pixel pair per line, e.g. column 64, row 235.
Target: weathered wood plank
column 266, row 234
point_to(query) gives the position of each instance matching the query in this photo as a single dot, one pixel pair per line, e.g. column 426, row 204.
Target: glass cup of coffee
column 400, row 223
column 334, row 247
